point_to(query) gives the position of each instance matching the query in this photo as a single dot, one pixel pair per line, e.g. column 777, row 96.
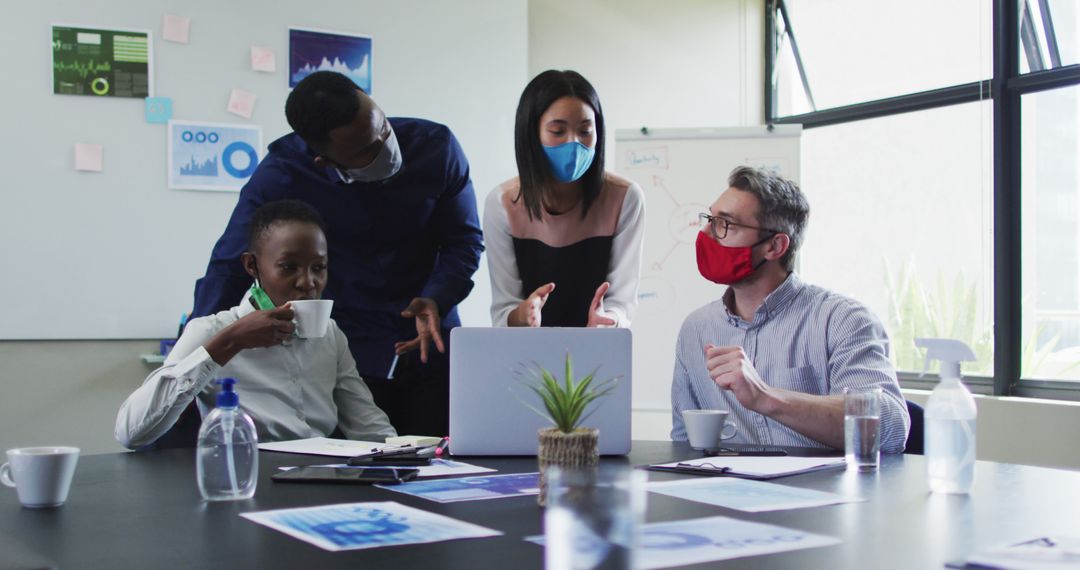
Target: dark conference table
column 143, row 510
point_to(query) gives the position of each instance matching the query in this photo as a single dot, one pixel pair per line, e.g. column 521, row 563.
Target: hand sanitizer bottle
column 227, row 460
column 950, row 420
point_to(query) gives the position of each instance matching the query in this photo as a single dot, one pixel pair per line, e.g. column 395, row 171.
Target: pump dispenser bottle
column 950, row 420
column 227, row 460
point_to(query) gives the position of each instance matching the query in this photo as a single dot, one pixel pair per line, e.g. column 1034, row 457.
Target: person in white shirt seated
column 291, row 387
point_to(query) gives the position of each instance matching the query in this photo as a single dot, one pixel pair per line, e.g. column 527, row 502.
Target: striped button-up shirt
column 802, row 338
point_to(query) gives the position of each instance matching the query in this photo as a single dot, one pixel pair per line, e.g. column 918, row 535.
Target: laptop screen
column 491, row 406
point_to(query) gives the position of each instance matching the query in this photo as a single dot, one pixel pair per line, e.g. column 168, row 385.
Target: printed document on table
column 325, row 446
column 366, row 525
column 438, row 468
column 471, row 488
column 697, row 541
column 746, row 495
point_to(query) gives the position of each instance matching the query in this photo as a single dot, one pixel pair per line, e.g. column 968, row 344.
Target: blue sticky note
column 158, row 109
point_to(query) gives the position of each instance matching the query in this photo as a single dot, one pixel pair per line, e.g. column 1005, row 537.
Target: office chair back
column 915, row 434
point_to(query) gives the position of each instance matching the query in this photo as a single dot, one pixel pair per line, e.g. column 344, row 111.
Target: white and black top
column 574, row 252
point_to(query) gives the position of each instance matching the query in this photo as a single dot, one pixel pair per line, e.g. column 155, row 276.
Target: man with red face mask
column 775, row 351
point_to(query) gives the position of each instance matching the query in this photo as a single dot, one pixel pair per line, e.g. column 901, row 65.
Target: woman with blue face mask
column 564, row 237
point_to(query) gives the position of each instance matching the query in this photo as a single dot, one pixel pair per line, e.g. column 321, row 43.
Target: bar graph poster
column 102, row 63
column 211, row 156
column 317, row 50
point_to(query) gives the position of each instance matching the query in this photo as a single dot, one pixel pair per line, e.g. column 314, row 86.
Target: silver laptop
column 488, row 411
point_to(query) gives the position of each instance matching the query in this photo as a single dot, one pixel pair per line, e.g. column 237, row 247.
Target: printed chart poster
column 316, row 50
column 102, row 63
column 209, row 156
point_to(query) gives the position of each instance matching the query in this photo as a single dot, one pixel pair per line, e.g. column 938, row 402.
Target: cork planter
column 578, row 449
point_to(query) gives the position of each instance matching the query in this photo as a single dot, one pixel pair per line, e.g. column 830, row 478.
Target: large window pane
column 855, row 51
column 1050, row 154
column 1049, row 34
column 901, row 219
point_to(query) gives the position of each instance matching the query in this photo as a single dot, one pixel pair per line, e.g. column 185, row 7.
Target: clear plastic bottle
column 227, row 459
column 950, row 421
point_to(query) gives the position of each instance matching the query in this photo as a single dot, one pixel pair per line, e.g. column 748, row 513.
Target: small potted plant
column 567, row 444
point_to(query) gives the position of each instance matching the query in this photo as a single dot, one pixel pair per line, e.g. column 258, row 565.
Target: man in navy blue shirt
column 403, row 235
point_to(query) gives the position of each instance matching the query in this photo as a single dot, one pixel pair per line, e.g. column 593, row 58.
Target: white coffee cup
column 312, row 317
column 40, row 475
column 707, row 428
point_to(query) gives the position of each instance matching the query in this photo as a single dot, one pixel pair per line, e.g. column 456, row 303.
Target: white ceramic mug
column 312, row 317
column 40, row 475
column 707, row 428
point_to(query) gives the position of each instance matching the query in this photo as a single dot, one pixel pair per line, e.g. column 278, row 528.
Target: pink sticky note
column 175, row 29
column 241, row 103
column 89, row 157
column 263, row 59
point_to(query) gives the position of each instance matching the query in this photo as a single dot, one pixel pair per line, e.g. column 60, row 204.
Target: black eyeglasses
column 718, row 227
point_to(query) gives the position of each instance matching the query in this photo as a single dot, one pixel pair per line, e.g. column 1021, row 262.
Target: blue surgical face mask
column 569, row 161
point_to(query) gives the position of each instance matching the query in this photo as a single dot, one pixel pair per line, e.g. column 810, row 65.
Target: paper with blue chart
column 696, row 541
column 212, row 156
column 744, row 495
column 358, row 526
column 471, row 488
column 321, row 50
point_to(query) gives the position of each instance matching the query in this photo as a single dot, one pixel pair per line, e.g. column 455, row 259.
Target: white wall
column 683, row 63
column 134, row 248
column 461, row 63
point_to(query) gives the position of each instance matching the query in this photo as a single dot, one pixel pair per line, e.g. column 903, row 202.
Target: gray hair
column 782, row 207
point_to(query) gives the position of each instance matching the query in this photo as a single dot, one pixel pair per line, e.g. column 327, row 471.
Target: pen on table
column 736, row 453
column 440, row 449
column 697, row 469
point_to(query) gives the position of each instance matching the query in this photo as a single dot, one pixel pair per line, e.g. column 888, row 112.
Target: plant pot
column 579, row 449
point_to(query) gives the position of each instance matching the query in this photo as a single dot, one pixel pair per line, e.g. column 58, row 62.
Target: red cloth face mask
column 725, row 265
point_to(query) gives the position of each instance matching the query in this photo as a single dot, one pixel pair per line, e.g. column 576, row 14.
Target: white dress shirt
column 302, row 389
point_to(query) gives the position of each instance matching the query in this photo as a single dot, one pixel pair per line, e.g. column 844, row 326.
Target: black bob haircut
column 321, row 102
column 534, row 171
column 277, row 212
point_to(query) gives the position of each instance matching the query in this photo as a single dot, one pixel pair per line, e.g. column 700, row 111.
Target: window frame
column 1004, row 90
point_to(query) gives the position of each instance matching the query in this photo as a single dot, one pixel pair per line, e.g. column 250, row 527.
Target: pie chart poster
column 102, row 63
column 212, row 156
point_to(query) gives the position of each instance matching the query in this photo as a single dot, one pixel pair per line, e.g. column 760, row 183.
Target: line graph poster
column 101, row 62
column 212, row 156
column 319, row 50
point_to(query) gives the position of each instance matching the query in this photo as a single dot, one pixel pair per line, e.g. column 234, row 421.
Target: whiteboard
column 682, row 172
column 115, row 254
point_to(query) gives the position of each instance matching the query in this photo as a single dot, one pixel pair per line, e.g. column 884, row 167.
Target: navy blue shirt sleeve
column 460, row 239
